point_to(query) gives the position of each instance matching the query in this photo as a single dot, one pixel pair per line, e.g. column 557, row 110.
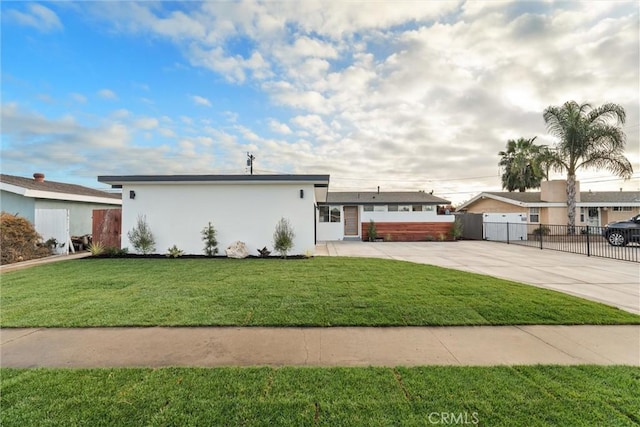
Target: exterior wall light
column 132, row 194
column 301, row 193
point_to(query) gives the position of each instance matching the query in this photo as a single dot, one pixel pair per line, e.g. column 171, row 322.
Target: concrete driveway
column 612, row 282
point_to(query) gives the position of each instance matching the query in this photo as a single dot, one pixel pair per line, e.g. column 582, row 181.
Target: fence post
column 541, row 230
column 507, row 233
column 588, row 246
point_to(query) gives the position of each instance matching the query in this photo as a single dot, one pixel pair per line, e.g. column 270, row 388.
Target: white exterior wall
column 328, row 231
column 177, row 213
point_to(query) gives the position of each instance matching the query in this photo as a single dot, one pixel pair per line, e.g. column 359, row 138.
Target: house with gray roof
column 549, row 205
column 397, row 215
column 49, row 204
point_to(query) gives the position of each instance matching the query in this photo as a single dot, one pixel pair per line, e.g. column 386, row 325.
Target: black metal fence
column 586, row 240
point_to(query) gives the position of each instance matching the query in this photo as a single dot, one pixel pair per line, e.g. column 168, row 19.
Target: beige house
column 549, row 205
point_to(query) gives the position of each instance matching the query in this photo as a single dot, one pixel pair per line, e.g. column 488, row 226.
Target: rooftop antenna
column 250, row 159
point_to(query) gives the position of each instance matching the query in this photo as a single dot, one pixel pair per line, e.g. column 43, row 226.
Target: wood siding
column 409, row 231
column 107, row 226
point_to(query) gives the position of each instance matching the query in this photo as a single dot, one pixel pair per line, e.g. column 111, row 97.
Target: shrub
column 174, row 252
column 373, row 232
column 542, row 231
column 141, row 237
column 283, row 237
column 457, row 229
column 96, row 248
column 210, row 241
column 19, row 240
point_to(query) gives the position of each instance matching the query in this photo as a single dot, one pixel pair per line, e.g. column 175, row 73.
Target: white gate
column 504, row 227
column 54, row 224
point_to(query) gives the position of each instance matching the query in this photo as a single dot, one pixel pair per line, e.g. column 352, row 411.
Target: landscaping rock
column 237, row 250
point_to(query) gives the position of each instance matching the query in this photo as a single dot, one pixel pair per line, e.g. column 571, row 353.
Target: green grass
column 315, row 292
column 261, row 396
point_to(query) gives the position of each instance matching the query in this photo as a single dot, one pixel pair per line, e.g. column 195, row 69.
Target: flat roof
column 118, row 180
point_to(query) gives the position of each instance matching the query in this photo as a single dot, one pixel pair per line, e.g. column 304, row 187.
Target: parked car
column 620, row 233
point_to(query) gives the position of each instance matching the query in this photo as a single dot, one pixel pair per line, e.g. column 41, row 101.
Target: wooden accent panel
column 107, row 226
column 409, row 231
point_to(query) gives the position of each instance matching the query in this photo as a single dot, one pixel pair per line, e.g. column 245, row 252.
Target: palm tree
column 521, row 163
column 589, row 138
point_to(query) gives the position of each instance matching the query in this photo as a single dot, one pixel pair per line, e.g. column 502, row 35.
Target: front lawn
column 321, row 291
column 507, row 396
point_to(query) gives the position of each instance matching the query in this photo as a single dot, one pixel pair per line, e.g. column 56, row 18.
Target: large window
column 416, row 208
column 622, row 208
column 367, row 208
column 393, row 208
column 534, row 214
column 329, row 213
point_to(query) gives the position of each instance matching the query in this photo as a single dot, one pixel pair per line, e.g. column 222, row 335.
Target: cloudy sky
column 405, row 95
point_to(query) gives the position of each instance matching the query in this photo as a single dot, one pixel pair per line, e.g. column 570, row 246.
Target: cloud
column 278, row 127
column 406, row 95
column 146, row 123
column 199, row 100
column 107, row 94
column 36, row 16
column 78, row 97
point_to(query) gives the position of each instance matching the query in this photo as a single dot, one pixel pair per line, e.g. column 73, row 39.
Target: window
column 329, row 214
column 416, row 208
column 428, row 208
column 380, row 208
column 367, row 208
column 622, row 208
column 404, row 208
column 534, row 214
column 393, row 208
column 324, row 213
column 335, row 214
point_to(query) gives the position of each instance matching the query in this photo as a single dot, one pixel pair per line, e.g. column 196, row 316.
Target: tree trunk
column 571, row 203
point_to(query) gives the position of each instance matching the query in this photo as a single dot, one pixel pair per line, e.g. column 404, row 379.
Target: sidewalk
column 412, row 346
column 40, row 261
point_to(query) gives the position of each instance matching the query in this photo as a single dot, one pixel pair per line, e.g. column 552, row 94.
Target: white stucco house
column 398, row 216
column 241, row 208
column 57, row 210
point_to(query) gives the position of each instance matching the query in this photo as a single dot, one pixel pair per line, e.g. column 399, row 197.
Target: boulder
column 237, row 250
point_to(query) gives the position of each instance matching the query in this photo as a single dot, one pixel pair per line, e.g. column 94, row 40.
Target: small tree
column 283, row 237
column 373, row 232
column 209, row 239
column 141, row 237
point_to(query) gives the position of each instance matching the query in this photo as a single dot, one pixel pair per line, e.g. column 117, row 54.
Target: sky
column 404, row 95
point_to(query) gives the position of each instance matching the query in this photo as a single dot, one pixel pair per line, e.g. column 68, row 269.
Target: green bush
column 283, row 237
column 141, row 237
column 373, row 232
column 174, row 252
column 209, row 239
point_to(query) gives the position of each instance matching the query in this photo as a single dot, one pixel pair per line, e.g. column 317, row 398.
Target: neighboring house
column 549, row 205
column 398, row 216
column 241, row 208
column 57, row 210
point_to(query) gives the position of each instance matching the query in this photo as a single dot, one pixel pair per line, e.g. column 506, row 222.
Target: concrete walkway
column 609, row 281
column 479, row 345
column 40, row 261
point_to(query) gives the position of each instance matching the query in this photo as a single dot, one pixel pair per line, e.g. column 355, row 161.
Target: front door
column 593, row 217
column 351, row 221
